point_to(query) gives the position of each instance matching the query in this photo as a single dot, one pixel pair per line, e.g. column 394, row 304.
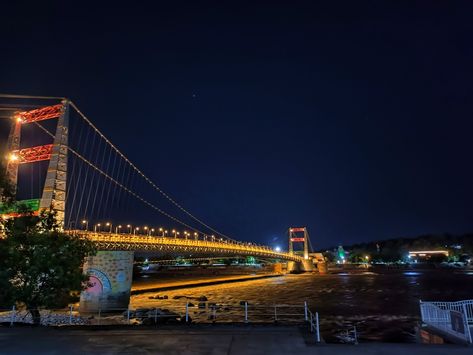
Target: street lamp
column 95, row 227
column 108, row 224
column 174, row 231
column 146, row 230
column 129, row 228
column 85, row 224
column 136, row 229
column 196, row 235
column 162, row 232
column 151, row 231
column 117, row 229
column 166, row 232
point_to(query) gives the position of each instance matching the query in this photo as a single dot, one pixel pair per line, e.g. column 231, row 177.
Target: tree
column 40, row 266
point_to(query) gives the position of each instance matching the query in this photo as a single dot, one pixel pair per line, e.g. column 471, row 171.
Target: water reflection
column 382, row 306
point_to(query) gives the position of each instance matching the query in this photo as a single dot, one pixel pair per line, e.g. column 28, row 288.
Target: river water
column 382, row 306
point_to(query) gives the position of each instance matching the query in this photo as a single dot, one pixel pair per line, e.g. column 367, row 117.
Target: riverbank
column 204, row 339
column 160, row 285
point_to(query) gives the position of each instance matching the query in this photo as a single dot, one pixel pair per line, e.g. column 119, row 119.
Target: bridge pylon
column 295, row 237
column 54, row 191
column 299, row 235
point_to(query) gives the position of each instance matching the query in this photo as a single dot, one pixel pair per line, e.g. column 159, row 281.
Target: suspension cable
column 122, row 186
column 169, row 198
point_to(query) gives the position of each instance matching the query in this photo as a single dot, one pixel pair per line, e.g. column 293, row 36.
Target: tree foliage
column 40, row 266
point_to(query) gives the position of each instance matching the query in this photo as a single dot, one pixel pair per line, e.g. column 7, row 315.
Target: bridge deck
column 121, row 241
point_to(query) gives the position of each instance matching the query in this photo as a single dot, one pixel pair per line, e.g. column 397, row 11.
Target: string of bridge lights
column 108, row 227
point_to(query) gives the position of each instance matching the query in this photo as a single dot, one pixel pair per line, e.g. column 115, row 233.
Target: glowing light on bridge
column 13, row 157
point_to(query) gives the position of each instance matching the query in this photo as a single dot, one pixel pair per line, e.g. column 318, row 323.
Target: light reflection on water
column 412, row 273
column 382, row 306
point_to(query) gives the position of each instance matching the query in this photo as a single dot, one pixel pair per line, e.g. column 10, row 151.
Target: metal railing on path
column 452, row 318
column 204, row 312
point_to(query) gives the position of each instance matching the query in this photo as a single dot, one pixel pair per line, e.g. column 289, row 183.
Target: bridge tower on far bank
column 299, row 235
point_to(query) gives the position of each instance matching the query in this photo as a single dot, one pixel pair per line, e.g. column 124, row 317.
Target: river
column 382, row 306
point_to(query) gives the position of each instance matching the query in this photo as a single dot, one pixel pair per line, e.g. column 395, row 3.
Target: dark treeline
column 397, row 249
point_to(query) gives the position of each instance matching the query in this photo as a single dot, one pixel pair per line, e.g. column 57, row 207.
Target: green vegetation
column 40, row 266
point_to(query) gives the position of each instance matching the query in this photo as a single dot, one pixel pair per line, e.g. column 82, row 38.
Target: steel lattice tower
column 54, row 190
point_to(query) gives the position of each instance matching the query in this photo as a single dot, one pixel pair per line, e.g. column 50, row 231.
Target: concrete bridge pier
column 110, row 276
column 306, row 265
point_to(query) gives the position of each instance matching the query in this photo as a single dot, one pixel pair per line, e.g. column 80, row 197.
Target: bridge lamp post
column 196, row 236
column 146, row 230
column 213, row 238
column 174, row 231
column 178, row 233
column 129, row 228
column 117, row 229
column 108, row 224
column 85, row 224
column 136, row 229
column 151, row 231
column 166, row 232
column 95, row 227
column 162, row 232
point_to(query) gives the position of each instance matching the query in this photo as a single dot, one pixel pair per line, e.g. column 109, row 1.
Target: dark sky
column 353, row 118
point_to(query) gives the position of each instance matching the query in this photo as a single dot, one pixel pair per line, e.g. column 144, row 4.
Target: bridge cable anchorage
column 122, row 186
column 157, row 188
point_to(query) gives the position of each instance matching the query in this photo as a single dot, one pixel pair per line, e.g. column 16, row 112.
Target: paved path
column 238, row 340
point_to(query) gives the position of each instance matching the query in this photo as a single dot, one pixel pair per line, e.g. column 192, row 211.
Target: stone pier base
column 110, row 275
column 304, row 266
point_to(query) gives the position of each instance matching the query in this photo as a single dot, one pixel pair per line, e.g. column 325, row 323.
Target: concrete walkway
column 238, row 340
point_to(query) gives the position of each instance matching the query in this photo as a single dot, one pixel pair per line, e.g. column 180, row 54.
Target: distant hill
column 398, row 248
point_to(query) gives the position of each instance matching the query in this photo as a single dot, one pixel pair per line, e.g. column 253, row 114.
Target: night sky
column 353, row 118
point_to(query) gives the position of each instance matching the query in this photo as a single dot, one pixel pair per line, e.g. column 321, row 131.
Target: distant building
column 428, row 255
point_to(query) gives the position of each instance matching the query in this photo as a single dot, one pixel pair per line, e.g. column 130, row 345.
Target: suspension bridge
column 57, row 158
